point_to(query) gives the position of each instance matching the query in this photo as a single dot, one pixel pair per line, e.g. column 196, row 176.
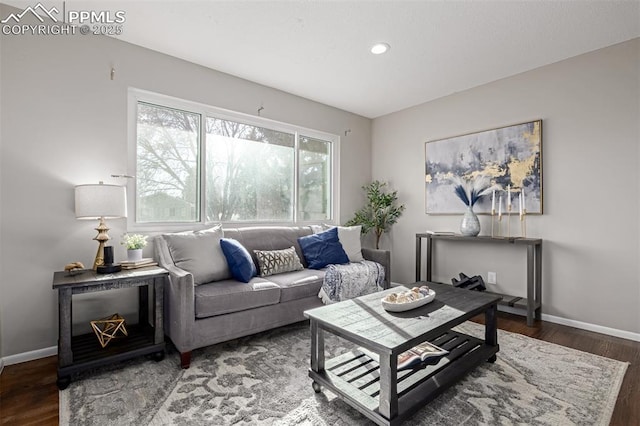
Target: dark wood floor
column 28, row 393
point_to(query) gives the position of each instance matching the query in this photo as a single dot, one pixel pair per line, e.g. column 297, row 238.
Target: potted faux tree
column 134, row 243
column 380, row 212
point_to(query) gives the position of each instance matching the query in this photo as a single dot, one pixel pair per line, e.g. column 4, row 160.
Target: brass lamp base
column 101, row 238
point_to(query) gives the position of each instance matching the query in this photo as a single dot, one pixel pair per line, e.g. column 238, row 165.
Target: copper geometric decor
column 107, row 328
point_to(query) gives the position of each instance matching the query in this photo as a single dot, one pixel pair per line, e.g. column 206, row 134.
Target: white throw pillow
column 316, row 229
column 199, row 253
column 349, row 237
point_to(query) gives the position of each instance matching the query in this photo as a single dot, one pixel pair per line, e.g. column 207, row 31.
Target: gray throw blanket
column 342, row 282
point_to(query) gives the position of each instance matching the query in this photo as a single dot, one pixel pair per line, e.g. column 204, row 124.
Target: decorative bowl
column 401, row 307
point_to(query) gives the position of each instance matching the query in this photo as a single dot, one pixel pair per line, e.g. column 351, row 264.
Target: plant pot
column 134, row 255
column 470, row 225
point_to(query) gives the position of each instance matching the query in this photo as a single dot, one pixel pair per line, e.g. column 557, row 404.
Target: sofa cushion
column 274, row 262
column 199, row 253
column 226, row 296
column 299, row 284
column 238, row 259
column 323, row 249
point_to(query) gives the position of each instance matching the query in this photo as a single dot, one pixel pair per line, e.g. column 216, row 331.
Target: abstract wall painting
column 510, row 156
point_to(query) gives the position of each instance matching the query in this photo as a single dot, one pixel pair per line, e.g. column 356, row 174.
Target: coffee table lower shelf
column 355, row 376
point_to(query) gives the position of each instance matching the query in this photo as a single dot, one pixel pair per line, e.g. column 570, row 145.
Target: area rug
column 262, row 380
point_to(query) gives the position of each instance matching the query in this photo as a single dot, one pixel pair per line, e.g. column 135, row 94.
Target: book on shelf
column 136, row 262
column 144, row 265
column 441, row 232
column 423, row 353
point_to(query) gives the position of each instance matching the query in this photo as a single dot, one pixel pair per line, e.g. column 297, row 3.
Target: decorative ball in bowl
column 408, row 299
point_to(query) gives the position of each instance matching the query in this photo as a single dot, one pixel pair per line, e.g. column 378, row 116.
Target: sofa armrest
column 383, row 257
column 179, row 299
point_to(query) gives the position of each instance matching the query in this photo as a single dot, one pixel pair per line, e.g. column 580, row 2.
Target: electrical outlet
column 492, row 278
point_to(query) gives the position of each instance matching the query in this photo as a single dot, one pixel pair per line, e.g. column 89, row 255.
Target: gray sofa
column 209, row 313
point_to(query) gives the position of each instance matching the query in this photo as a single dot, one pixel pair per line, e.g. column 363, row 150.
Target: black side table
column 83, row 352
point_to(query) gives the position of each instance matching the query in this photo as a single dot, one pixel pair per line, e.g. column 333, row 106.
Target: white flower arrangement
column 134, row 241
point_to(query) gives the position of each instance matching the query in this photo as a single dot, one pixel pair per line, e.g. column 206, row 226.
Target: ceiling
column 320, row 49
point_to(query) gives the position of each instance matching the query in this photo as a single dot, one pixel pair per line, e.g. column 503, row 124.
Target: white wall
column 591, row 183
column 1, row 207
column 64, row 122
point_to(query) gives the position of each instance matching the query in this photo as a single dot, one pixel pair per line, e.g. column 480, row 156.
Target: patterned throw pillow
column 278, row 261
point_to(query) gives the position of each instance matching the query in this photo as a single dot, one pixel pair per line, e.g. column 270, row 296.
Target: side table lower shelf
column 356, row 376
column 87, row 352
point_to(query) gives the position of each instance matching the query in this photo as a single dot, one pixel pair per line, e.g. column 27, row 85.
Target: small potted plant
column 134, row 243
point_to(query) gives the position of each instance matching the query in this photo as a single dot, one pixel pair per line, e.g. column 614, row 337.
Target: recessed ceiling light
column 380, row 48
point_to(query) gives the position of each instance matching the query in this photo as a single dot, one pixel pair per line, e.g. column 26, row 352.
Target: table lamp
column 100, row 202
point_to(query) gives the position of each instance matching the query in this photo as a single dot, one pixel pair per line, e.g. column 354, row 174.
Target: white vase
column 134, row 255
column 470, row 225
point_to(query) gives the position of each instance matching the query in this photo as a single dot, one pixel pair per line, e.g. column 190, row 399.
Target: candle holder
column 493, row 213
column 523, row 223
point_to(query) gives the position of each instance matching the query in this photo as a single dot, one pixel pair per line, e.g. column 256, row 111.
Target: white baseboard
column 579, row 324
column 30, row 356
column 593, row 327
column 53, row 350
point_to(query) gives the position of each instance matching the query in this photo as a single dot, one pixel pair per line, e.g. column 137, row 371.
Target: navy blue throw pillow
column 239, row 260
column 323, row 249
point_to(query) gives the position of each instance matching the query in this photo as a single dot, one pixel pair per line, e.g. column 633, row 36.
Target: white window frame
column 137, row 95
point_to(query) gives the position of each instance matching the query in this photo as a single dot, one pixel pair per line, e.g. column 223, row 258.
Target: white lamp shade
column 99, row 200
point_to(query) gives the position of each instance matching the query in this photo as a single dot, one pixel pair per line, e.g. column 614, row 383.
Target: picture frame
column 511, row 156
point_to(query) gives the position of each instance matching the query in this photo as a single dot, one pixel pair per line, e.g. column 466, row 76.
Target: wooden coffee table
column 367, row 377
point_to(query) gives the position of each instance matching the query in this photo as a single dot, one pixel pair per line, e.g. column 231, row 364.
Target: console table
column 532, row 303
column 79, row 353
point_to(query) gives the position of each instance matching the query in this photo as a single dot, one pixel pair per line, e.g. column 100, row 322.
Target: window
column 249, row 172
column 197, row 164
column 314, row 177
column 166, row 164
